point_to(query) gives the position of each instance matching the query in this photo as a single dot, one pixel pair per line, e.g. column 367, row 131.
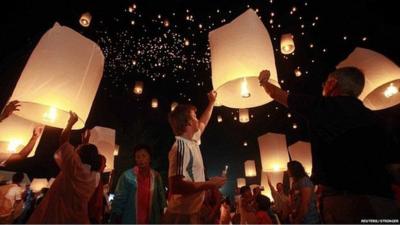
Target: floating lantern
column 138, row 89
column 154, row 103
column 287, row 44
column 244, row 115
column 173, row 105
column 104, row 139
column 85, row 19
column 241, row 182
column 219, row 119
column 273, row 152
column 116, row 150
column 250, row 168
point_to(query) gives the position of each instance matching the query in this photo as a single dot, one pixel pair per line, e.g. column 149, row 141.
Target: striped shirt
column 185, row 160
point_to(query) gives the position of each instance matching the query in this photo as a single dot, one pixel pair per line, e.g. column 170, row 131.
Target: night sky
column 165, row 45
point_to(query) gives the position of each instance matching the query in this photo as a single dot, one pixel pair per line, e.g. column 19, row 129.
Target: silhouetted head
column 89, row 155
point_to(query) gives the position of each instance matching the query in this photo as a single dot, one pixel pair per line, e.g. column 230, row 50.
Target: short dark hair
column 17, row 178
column 179, row 118
column 263, row 202
column 296, row 170
column 244, row 189
column 350, row 80
column 90, row 155
column 145, row 147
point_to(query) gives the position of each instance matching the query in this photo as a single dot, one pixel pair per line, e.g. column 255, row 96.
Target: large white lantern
column 240, row 50
column 15, row 133
column 62, row 74
column 250, row 168
column 241, row 182
column 244, row 115
column 287, row 44
column 301, row 151
column 39, row 183
column 382, row 78
column 104, row 139
column 273, row 152
column 275, row 177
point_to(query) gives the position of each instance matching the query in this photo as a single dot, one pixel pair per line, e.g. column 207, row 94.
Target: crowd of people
column 350, row 178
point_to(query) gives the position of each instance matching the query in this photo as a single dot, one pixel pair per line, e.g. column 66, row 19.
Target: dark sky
column 115, row 106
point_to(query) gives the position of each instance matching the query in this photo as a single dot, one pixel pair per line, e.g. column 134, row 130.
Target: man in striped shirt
column 186, row 171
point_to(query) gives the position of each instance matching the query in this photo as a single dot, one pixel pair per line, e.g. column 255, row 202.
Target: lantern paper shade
column 250, row 168
column 287, row 44
column 244, row 115
column 85, row 19
column 240, row 50
column 241, row 182
column 104, row 139
column 276, row 177
column 39, row 183
column 301, row 151
column 381, row 75
column 15, row 133
column 63, row 73
column 138, row 89
column 273, row 152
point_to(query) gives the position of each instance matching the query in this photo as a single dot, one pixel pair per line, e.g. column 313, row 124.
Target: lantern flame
column 244, row 89
column 51, row 115
column 13, row 145
column 391, row 90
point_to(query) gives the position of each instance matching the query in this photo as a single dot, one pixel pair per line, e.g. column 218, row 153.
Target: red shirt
column 143, row 198
column 263, row 218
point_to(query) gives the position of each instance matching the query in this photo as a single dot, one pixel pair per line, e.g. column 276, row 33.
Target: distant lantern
column 173, row 105
column 244, row 115
column 275, row 177
column 15, row 133
column 297, row 72
column 39, row 183
column 58, row 78
column 301, row 151
column 85, row 19
column 241, row 182
column 250, row 168
column 166, row 23
column 219, row 119
column 382, row 78
column 116, row 150
column 239, row 51
column 104, row 139
column 186, row 42
column 287, row 44
column 138, row 89
column 273, row 152
column 154, row 103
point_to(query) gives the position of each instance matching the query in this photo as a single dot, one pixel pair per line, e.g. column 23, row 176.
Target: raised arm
column 273, row 91
column 28, row 147
column 205, row 117
column 65, row 135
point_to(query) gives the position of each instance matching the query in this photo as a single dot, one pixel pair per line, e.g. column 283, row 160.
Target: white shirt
column 14, row 194
column 185, row 159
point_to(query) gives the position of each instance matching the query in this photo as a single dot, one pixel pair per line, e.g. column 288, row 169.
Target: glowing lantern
column 173, row 105
column 138, row 89
column 301, row 151
column 297, row 72
column 166, row 23
column 273, row 152
column 154, row 103
column 382, row 78
column 15, row 133
column 85, row 19
column 241, row 182
column 39, row 183
column 244, row 115
column 104, row 139
column 250, row 168
column 275, row 177
column 219, row 119
column 62, row 74
column 287, row 44
column 239, row 51
column 116, row 150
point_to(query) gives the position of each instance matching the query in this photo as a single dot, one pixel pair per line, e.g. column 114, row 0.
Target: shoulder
column 305, row 182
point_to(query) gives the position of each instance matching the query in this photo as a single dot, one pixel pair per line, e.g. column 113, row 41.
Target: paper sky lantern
column 276, row 177
column 250, row 168
column 241, row 182
column 287, row 44
column 62, row 74
column 244, row 115
column 173, row 105
column 273, row 152
column 15, row 133
column 39, row 183
column 104, row 139
column 219, row 119
column 116, row 150
column 85, row 19
column 239, row 51
column 301, row 151
column 138, row 89
column 382, row 78
column 154, row 103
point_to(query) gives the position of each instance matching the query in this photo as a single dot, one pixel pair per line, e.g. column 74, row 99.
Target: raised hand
column 9, row 109
column 264, row 77
column 73, row 118
column 85, row 136
column 37, row 131
column 212, row 96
